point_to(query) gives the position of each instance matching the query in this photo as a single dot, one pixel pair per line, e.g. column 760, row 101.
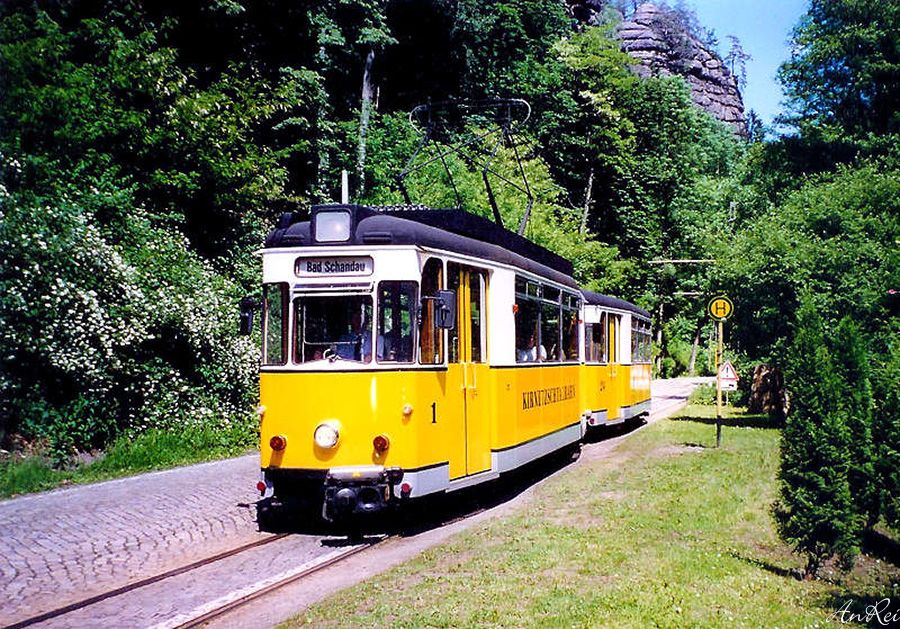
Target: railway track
column 239, row 599
column 88, row 611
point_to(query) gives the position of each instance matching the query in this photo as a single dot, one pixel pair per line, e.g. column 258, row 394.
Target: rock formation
column 663, row 47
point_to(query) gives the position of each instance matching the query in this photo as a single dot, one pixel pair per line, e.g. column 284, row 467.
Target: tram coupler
column 359, row 490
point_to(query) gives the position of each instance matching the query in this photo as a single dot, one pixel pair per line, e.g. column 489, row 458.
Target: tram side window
column 453, row 342
column 336, row 327
column 528, row 309
column 477, row 283
column 648, row 343
column 431, row 337
column 275, row 324
column 640, row 341
column 396, row 307
column 615, row 323
column 550, row 325
column 595, row 346
column 570, row 328
column 635, row 342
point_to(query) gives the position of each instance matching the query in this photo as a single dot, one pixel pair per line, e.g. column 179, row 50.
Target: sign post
column 720, row 308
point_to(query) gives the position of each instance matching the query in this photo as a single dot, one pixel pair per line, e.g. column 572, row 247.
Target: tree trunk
column 693, row 362
column 364, row 115
column 659, row 339
column 587, row 200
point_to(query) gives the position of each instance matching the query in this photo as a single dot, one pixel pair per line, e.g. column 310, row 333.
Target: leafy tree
column 131, row 200
column 110, row 325
column 852, row 359
column 834, row 237
column 736, row 59
column 506, row 45
column 844, row 71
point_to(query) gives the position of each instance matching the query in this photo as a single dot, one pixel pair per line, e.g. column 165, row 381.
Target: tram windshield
column 341, row 328
column 333, row 327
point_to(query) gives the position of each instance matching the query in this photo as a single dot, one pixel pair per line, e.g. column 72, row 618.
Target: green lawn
column 666, row 531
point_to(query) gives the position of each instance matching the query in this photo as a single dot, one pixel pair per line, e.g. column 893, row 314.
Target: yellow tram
column 408, row 352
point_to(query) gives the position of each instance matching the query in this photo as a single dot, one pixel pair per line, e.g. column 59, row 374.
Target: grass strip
column 665, row 531
column 153, row 450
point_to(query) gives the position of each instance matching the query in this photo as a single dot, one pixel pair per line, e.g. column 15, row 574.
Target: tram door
column 615, row 390
column 468, row 369
column 614, row 325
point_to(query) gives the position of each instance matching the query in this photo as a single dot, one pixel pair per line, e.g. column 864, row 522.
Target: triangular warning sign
column 727, row 372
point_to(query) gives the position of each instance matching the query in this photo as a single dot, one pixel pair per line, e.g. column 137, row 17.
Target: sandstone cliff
column 663, row 47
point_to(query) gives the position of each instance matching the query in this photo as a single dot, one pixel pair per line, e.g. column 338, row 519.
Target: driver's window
column 396, row 313
column 431, row 337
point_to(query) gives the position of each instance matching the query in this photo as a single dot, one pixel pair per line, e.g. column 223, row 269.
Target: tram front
column 341, row 372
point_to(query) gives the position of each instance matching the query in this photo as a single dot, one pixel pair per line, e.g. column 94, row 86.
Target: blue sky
column 763, row 28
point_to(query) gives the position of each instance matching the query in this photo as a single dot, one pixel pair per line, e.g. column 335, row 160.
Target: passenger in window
column 531, row 351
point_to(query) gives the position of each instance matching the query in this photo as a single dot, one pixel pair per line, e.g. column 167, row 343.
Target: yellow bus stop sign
column 720, row 308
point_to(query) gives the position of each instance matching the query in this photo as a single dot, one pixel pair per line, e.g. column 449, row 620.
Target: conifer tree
column 851, row 358
column 886, row 430
column 815, row 512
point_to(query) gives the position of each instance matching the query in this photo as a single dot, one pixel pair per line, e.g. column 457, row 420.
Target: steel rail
column 60, row 611
column 268, row 589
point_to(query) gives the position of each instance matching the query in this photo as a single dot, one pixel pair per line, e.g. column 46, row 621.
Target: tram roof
column 451, row 230
column 597, row 299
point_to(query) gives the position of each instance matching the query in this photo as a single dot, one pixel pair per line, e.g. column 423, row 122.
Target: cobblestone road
column 71, row 544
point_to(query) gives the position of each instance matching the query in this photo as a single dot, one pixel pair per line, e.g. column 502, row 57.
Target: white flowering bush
column 110, row 325
column 131, row 187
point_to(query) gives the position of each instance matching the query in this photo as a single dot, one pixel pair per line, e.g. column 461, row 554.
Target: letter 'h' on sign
column 720, row 308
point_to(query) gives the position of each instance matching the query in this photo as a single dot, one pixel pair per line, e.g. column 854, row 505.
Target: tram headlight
column 327, row 435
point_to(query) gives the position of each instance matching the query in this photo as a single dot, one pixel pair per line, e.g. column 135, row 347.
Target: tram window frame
column 527, row 321
column 335, row 327
column 400, row 316
column 641, row 349
column 431, row 335
column 569, row 320
column 648, row 342
column 635, row 341
column 596, row 344
column 647, row 346
column 614, row 325
column 454, row 349
column 267, row 319
column 477, row 311
column 551, row 327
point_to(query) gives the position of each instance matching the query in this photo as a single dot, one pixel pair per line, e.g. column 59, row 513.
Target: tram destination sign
column 319, row 267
